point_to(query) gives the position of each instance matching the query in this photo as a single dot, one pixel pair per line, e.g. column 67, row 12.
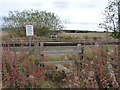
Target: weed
column 18, row 71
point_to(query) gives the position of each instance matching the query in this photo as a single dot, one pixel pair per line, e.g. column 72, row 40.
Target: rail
column 58, row 43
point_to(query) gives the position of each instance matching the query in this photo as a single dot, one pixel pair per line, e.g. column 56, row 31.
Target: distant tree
column 41, row 20
column 43, row 31
column 110, row 22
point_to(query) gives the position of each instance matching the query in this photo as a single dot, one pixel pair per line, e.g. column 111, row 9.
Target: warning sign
column 29, row 30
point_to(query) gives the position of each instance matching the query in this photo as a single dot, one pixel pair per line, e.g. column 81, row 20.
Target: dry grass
column 3, row 33
column 84, row 35
column 98, row 69
column 74, row 36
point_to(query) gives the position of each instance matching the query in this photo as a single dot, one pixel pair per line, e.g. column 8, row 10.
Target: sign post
column 29, row 33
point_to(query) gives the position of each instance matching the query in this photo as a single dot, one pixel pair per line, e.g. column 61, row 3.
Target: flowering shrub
column 19, row 70
column 97, row 70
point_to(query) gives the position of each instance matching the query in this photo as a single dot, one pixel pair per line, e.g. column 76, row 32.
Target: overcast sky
column 77, row 14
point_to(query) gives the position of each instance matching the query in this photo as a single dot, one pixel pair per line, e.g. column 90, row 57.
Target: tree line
column 43, row 22
column 110, row 22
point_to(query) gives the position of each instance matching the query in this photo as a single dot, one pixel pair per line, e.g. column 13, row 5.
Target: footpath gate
column 40, row 54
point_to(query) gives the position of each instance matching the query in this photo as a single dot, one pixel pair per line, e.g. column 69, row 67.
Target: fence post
column 41, row 50
column 81, row 48
column 119, row 37
column 37, row 49
column 1, row 48
column 29, row 42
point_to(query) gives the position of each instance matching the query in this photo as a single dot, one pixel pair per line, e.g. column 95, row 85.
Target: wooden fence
column 40, row 54
column 18, row 43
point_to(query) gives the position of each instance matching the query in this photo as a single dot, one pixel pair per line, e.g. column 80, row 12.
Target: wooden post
column 41, row 50
column 80, row 55
column 29, row 44
column 119, row 37
column 37, row 50
column 1, row 63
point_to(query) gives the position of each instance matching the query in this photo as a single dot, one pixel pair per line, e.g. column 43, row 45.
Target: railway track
column 58, row 43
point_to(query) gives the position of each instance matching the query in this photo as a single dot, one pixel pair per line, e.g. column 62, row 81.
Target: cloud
column 60, row 4
column 92, row 27
column 83, row 23
column 88, row 6
column 36, row 4
column 81, row 14
column 11, row 6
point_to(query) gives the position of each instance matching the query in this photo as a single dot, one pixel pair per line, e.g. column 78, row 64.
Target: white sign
column 54, row 36
column 29, row 30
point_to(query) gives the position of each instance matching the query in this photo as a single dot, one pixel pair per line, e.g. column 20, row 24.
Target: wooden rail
column 61, row 62
column 79, row 51
column 60, row 52
column 58, row 43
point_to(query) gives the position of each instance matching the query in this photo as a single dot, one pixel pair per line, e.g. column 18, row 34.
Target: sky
column 75, row 14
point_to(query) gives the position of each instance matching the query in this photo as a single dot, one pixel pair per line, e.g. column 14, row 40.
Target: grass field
column 3, row 34
column 84, row 35
column 64, row 36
